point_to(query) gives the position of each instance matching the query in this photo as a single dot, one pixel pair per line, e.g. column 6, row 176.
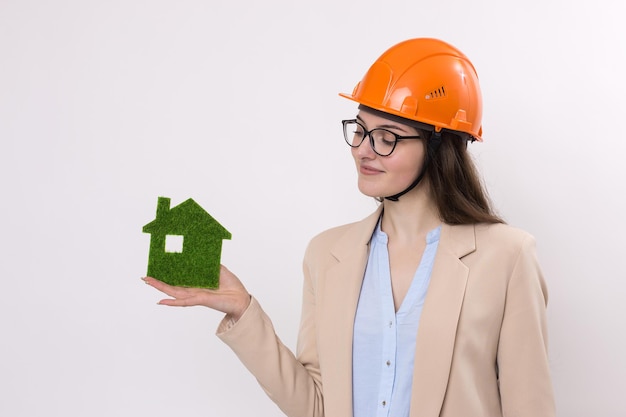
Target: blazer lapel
column 438, row 323
column 339, row 299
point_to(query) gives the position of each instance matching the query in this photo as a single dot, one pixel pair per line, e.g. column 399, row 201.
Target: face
column 382, row 176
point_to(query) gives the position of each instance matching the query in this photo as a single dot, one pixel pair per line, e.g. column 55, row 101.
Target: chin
column 376, row 192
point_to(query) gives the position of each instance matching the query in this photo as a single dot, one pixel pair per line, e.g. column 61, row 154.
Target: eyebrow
column 385, row 126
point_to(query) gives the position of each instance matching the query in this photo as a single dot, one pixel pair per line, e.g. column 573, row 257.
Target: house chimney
column 163, row 206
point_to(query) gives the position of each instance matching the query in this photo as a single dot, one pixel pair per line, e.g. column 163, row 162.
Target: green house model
column 185, row 245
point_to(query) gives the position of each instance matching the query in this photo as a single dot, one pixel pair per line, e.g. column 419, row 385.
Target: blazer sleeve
column 293, row 383
column 524, row 372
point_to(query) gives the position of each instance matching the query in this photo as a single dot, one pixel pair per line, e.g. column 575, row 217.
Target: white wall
column 105, row 105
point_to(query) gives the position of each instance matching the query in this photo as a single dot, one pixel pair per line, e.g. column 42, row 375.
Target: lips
column 368, row 170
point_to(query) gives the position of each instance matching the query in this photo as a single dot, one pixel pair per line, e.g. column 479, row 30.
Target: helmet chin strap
column 432, row 147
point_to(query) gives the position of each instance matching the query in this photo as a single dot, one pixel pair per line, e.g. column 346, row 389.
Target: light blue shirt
column 384, row 341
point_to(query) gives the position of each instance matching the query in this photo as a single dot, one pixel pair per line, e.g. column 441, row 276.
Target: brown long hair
column 455, row 184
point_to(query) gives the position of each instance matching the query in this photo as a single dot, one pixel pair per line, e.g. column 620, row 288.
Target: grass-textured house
column 195, row 263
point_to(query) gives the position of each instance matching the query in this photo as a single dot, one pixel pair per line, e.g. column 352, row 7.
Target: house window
column 173, row 243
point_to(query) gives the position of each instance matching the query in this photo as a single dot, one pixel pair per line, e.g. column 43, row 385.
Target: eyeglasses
column 383, row 141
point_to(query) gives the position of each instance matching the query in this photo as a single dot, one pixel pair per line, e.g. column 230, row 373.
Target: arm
column 524, row 374
column 294, row 386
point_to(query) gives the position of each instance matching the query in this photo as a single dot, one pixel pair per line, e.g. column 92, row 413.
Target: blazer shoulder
column 327, row 239
column 503, row 239
column 342, row 241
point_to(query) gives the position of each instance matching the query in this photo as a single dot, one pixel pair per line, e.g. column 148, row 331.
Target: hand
column 231, row 297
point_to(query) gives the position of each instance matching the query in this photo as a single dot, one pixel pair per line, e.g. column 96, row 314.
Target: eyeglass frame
column 367, row 133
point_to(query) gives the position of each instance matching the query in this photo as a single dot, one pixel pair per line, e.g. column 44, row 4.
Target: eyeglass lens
column 382, row 141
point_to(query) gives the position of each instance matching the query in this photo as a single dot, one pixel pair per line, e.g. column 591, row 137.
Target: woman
column 430, row 306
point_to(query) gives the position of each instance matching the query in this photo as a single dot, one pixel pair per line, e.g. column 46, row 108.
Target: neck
column 411, row 217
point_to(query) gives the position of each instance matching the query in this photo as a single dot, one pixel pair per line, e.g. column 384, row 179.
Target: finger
column 228, row 279
column 225, row 271
column 181, row 302
column 174, row 302
column 172, row 291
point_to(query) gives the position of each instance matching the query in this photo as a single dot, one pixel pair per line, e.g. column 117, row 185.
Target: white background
column 106, row 105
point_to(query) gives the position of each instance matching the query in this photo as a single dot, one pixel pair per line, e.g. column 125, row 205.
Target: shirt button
column 388, row 363
column 384, row 403
column 390, row 323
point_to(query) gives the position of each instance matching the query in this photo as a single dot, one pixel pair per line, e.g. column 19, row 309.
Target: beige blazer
column 481, row 347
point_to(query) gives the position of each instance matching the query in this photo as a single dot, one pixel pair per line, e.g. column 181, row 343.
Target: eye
column 385, row 137
column 358, row 132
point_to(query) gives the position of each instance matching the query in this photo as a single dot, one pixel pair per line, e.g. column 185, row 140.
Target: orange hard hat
column 426, row 80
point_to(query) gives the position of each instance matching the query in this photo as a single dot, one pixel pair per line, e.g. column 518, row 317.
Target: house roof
column 184, row 219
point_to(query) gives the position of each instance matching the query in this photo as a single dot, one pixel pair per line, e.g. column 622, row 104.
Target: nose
column 365, row 150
